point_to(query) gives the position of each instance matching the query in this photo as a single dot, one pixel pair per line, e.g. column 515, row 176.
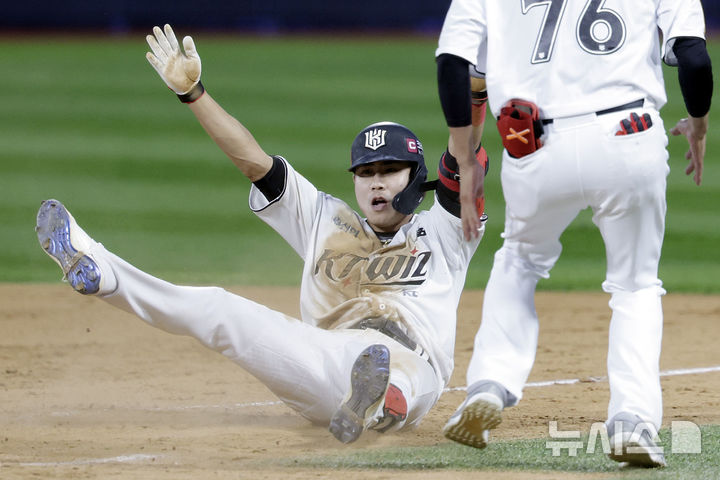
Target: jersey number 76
column 599, row 30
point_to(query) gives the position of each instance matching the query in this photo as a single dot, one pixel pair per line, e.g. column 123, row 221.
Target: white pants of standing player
column 307, row 367
column 622, row 179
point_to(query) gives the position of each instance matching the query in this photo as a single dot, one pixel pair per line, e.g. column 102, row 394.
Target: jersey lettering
column 549, row 28
column 381, row 266
column 345, row 226
column 329, row 257
column 380, row 270
column 599, row 30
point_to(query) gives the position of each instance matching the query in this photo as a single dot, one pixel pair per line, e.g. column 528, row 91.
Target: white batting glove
column 180, row 71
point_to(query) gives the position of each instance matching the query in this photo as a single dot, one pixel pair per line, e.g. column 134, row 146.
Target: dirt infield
column 88, row 391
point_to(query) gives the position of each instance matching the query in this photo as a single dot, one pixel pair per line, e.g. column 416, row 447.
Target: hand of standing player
column 472, row 178
column 180, row 71
column 695, row 130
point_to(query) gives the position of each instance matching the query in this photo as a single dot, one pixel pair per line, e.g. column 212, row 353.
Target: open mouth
column 378, row 203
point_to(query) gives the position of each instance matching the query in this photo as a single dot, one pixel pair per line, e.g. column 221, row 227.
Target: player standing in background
column 379, row 294
column 576, row 87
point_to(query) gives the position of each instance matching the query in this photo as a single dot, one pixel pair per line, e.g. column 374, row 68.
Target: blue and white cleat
column 67, row 244
column 369, row 380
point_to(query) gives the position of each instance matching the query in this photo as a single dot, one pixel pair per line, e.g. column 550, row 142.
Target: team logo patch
column 375, row 138
column 413, row 146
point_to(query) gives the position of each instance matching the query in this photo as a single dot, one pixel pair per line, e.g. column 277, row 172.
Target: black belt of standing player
column 619, row 108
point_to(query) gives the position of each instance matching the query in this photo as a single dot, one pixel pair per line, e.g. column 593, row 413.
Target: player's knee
column 535, row 261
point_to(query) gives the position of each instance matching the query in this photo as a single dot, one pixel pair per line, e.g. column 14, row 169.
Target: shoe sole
column 640, row 457
column 53, row 231
column 369, row 379
column 475, row 419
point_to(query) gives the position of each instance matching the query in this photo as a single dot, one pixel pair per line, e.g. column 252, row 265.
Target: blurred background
column 265, row 16
column 86, row 120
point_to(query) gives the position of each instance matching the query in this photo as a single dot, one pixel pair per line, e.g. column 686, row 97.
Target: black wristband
column 194, row 93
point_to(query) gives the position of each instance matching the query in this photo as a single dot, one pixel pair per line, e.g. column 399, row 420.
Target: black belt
column 619, row 108
column 392, row 329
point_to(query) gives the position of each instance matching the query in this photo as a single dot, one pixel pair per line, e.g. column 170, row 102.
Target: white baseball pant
column 307, row 367
column 623, row 180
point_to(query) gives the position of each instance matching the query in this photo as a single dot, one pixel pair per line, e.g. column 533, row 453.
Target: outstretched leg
column 307, row 367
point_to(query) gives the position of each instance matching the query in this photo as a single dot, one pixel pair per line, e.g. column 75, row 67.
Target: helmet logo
column 414, row 146
column 375, row 138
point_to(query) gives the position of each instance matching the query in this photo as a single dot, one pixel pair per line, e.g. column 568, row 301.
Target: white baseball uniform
column 414, row 280
column 573, row 59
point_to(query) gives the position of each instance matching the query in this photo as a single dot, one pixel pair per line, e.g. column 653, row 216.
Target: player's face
column 376, row 184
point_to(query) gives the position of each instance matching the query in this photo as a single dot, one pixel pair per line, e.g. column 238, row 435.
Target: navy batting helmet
column 389, row 141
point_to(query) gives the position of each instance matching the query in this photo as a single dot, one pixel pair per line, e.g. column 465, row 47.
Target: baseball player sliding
column 379, row 294
column 576, row 87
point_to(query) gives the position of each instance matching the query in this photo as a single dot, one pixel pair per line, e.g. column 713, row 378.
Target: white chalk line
column 571, row 381
column 548, row 383
column 145, row 457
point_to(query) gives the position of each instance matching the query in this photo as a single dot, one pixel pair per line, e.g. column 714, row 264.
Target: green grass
column 86, row 120
column 523, row 455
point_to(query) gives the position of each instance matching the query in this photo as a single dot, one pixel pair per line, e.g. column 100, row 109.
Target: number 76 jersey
column 570, row 57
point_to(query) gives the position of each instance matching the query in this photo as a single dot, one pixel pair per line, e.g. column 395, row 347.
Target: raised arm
column 181, row 73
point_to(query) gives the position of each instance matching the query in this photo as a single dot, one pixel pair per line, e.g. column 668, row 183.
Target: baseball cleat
column 633, row 444
column 394, row 411
column 471, row 422
column 636, row 450
column 66, row 243
column 369, row 379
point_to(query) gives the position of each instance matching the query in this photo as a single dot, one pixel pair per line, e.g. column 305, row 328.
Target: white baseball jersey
column 349, row 275
column 576, row 59
column 570, row 57
column 415, row 280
